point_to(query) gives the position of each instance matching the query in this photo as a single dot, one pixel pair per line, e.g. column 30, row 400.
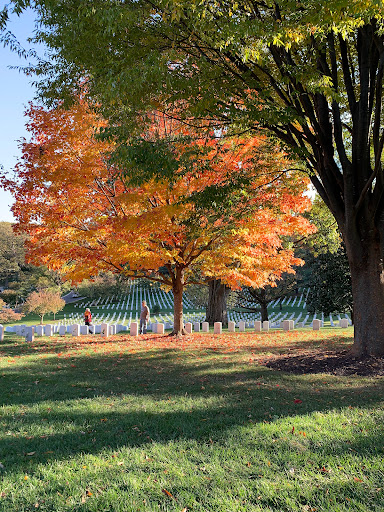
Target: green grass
column 152, row 424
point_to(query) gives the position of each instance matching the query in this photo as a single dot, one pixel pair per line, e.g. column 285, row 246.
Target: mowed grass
column 155, row 424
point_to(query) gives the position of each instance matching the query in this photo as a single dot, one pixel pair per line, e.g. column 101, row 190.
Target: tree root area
column 321, row 361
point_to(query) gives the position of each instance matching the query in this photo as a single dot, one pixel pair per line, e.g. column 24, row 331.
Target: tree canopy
column 83, row 216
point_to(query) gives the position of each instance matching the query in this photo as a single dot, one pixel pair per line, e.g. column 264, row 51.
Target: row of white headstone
column 106, row 330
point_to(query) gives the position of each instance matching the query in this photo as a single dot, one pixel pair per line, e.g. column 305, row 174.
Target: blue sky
column 15, row 93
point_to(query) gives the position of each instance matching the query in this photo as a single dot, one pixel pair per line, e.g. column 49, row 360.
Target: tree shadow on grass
column 87, row 403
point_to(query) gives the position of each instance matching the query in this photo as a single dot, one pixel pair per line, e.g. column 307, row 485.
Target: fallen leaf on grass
column 167, row 493
column 357, row 479
column 30, row 454
column 298, row 401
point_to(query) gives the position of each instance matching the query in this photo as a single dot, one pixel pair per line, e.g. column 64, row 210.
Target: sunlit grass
column 198, row 424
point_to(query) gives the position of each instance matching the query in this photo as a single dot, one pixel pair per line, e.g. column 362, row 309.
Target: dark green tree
column 257, row 299
column 330, row 284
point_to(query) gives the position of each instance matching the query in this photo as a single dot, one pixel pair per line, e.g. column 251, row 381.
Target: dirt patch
column 321, row 361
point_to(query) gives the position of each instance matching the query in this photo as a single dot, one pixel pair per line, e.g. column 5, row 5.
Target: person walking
column 88, row 319
column 144, row 317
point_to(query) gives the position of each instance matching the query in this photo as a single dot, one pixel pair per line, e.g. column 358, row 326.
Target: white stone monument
column 316, row 325
column 188, row 327
column 291, row 325
column 286, row 325
column 241, row 326
column 83, row 330
column 62, row 330
column 75, row 330
column 2, row 330
column 104, row 330
column 112, row 329
column 217, row 328
column 231, row 326
column 160, row 329
column 196, row 326
column 205, row 327
column 343, row 323
column 48, row 330
column 257, row 326
column 134, row 329
column 39, row 331
column 30, row 334
column 266, row 325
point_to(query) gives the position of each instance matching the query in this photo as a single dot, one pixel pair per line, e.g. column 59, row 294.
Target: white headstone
column 112, row 329
column 343, row 323
column 217, row 328
column 30, row 332
column 241, row 326
column 48, row 330
column 265, row 325
column 134, row 329
column 196, row 326
column 205, row 326
column 231, row 326
column 62, row 330
column 2, row 332
column 39, row 331
column 83, row 329
column 188, row 327
column 257, row 326
column 160, row 329
column 97, row 329
column 316, row 325
column 76, row 330
column 286, row 325
column 18, row 329
column 104, row 330
column 291, row 325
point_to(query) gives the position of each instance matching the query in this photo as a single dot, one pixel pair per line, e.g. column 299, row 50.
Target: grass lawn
column 151, row 424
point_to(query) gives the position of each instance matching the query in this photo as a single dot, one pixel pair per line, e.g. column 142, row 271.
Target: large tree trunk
column 217, row 302
column 178, row 288
column 264, row 311
column 367, row 273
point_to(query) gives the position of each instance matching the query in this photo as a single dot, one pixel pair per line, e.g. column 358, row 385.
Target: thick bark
column 217, row 302
column 178, row 288
column 264, row 311
column 368, row 293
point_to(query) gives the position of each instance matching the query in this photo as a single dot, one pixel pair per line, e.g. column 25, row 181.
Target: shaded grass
column 151, row 424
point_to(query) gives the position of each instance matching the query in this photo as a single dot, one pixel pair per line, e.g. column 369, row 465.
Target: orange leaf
column 167, row 493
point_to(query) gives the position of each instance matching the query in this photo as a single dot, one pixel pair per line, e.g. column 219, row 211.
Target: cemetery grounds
column 233, row 422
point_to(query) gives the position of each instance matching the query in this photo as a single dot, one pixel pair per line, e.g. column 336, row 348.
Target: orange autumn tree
column 83, row 215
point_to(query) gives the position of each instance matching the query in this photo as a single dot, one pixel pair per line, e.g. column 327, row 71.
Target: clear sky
column 15, row 93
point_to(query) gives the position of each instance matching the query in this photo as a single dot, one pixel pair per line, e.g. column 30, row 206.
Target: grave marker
column 217, row 328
